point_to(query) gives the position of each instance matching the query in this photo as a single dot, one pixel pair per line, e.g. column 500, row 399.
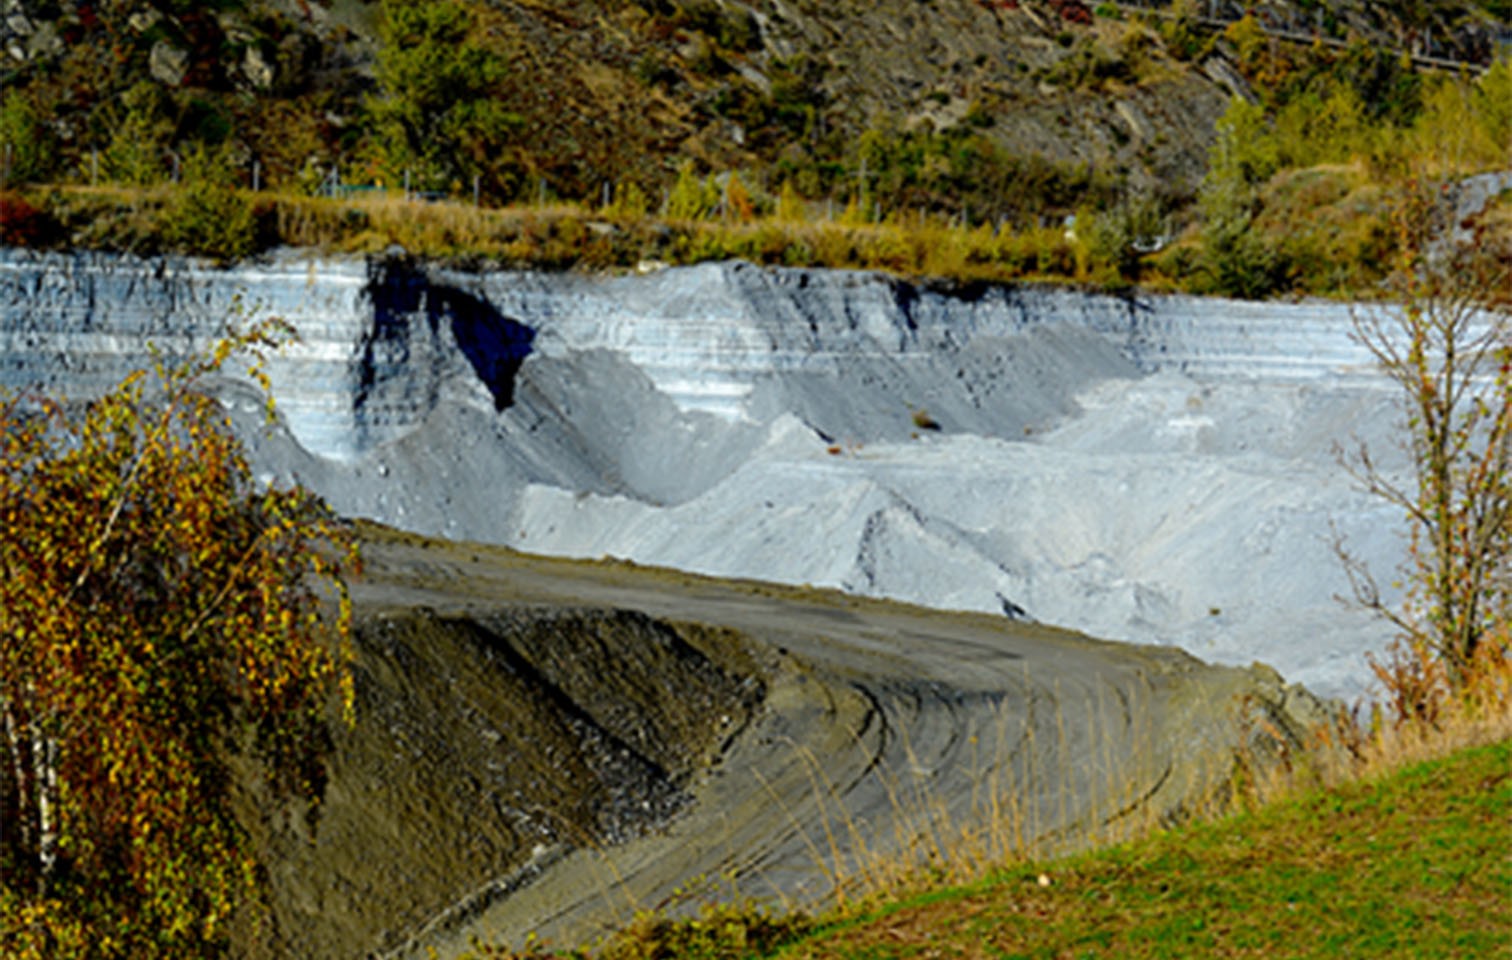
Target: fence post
column 475, row 190
column 256, row 176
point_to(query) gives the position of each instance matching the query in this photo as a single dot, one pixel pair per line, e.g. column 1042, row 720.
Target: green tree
column 135, row 153
column 1313, row 129
column 1120, row 237
column 791, row 207
column 1467, row 126
column 208, row 215
column 1238, row 260
column 160, row 613
column 30, row 147
column 629, row 204
column 692, row 198
column 440, row 116
column 1447, row 345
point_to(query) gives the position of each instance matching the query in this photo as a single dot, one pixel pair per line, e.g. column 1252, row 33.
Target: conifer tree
column 440, row 117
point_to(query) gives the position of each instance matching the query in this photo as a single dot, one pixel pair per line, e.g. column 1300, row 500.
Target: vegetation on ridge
column 696, row 130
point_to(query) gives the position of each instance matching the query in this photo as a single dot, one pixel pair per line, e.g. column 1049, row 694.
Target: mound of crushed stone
column 1150, row 469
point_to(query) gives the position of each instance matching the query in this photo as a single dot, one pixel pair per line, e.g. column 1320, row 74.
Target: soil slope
column 544, row 745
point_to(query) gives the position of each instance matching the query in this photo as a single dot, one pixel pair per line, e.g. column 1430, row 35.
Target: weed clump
column 719, row 931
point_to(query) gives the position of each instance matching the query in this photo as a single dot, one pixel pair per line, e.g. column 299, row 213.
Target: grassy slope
column 1416, row 864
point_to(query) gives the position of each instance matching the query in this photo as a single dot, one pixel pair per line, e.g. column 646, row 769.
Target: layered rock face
column 1149, row 469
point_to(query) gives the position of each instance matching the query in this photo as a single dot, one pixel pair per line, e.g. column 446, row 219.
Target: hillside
column 631, row 91
column 1247, row 151
column 1008, row 109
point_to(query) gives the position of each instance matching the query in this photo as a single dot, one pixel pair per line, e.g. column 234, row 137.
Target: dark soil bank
column 545, row 745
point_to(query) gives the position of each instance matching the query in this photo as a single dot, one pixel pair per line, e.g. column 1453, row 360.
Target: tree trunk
column 45, row 761
column 18, row 831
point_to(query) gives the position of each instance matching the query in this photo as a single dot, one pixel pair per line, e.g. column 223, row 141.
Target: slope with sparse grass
column 1415, row 862
column 952, row 139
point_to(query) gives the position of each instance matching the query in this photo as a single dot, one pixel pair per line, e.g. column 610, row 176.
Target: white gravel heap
column 1158, row 470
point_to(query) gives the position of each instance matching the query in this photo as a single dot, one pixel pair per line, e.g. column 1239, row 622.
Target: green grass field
column 1417, row 864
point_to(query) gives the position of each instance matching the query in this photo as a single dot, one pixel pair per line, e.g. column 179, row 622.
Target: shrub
column 21, row 224
column 208, row 215
column 720, row 931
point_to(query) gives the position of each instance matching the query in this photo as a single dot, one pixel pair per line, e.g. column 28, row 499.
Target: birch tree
column 159, row 613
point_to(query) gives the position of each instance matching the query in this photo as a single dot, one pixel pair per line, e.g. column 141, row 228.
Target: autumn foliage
column 21, row 224
column 1447, row 346
column 160, row 615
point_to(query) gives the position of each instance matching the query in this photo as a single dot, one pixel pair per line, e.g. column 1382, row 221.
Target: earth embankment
column 546, row 745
